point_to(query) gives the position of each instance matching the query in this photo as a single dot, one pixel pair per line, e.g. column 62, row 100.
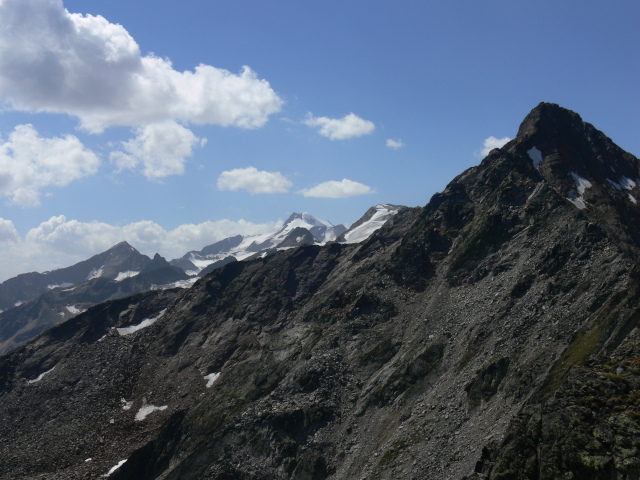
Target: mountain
column 119, row 272
column 490, row 334
column 298, row 229
column 118, row 260
column 371, row 221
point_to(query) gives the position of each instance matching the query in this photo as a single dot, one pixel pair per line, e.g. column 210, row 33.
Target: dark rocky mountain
column 490, row 334
column 24, row 322
column 119, row 258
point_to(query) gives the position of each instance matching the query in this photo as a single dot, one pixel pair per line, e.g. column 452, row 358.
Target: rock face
column 460, row 339
column 109, row 276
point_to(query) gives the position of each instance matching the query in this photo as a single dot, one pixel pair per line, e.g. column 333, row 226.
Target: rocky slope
column 430, row 350
column 61, row 302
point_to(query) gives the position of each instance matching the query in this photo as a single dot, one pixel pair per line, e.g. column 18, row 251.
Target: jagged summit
column 563, row 138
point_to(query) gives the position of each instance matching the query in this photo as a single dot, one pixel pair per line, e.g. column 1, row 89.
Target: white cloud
column 82, row 65
column 161, row 148
column 59, row 242
column 334, row 189
column 491, row 143
column 395, row 143
column 8, row 232
column 348, row 126
column 29, row 163
column 254, row 181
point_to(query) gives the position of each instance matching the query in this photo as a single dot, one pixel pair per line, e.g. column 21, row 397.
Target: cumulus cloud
column 254, row 181
column 395, row 143
column 8, row 232
column 343, row 128
column 29, row 163
column 82, row 65
column 334, row 189
column 491, row 143
column 161, row 148
column 59, row 242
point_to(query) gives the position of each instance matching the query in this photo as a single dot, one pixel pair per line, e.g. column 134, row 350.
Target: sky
column 173, row 124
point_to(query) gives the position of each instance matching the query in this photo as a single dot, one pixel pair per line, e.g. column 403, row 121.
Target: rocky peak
column 400, row 356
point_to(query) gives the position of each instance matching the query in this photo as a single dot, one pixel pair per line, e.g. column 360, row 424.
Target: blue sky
column 174, row 124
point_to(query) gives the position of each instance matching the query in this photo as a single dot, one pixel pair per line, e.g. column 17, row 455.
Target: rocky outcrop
column 408, row 355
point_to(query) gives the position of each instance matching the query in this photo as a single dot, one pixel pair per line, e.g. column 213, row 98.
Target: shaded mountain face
column 408, row 355
column 119, row 259
column 116, row 280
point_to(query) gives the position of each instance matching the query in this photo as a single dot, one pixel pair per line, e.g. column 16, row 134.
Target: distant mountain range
column 33, row 302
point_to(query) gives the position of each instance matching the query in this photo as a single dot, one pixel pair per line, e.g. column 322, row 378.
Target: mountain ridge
column 407, row 355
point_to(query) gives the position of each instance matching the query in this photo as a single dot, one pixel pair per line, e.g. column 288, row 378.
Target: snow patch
column 95, row 273
column 188, row 283
column 18, row 303
column 126, row 405
column 629, row 184
column 632, row 198
column 128, row 274
column 63, row 285
column 298, row 239
column 61, row 314
column 581, row 183
column 143, row 324
column 536, row 156
column 88, row 459
column 211, row 378
column 114, row 468
column 146, row 410
column 624, row 183
column 41, row 376
column 74, row 310
column 578, row 201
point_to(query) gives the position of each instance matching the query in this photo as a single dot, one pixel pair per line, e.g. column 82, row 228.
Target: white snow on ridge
column 211, row 378
column 146, row 410
column 41, row 376
column 95, row 273
column 63, row 285
column 536, row 156
column 364, row 231
column 18, row 303
column 145, row 323
column 128, row 274
column 632, row 198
